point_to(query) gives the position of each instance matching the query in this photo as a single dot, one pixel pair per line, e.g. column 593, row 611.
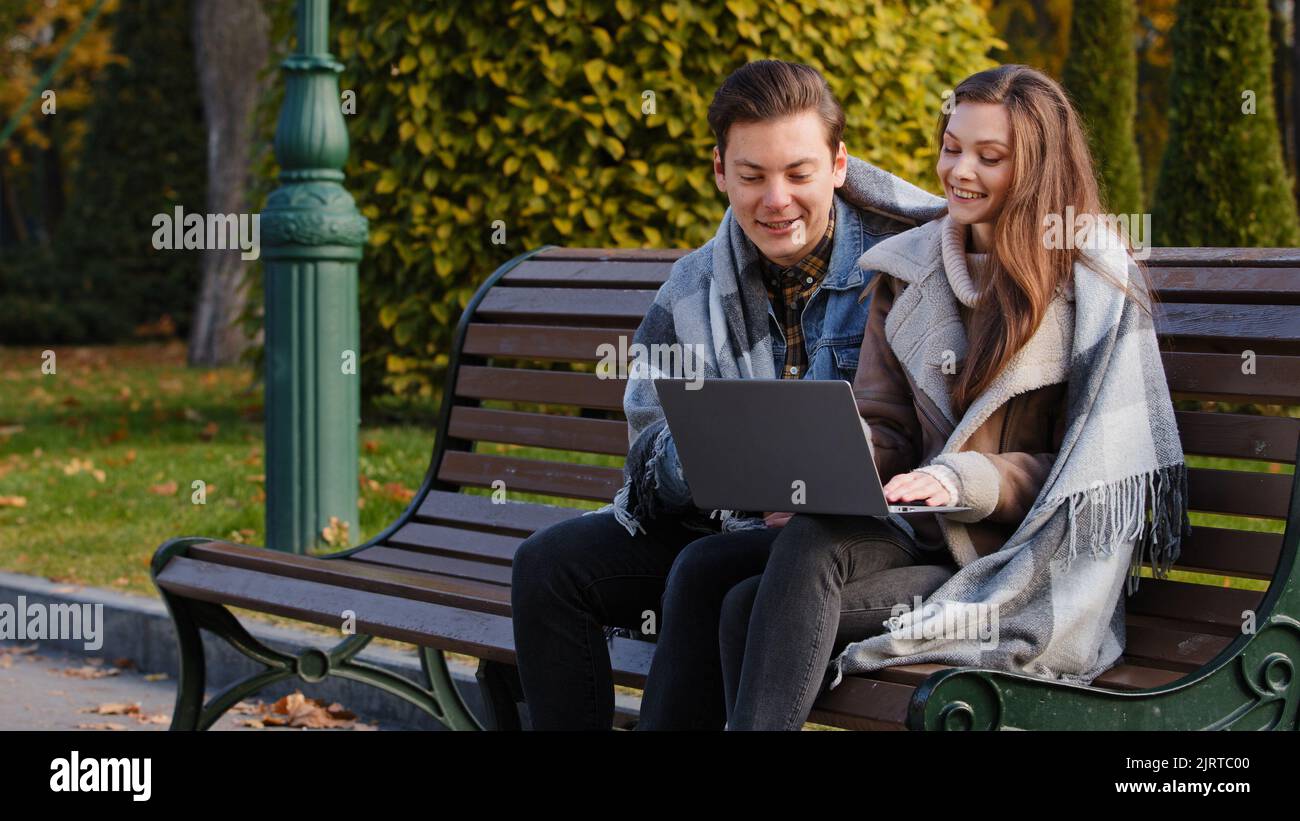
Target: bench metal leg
column 499, row 684
column 440, row 699
column 1254, row 689
column 1254, row 684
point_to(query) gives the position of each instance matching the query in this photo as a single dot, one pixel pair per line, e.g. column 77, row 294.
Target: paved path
column 37, row 693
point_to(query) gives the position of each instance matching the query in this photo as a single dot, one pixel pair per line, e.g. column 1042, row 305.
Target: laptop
column 776, row 445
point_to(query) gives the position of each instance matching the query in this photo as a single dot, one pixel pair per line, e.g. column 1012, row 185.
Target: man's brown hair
column 769, row 90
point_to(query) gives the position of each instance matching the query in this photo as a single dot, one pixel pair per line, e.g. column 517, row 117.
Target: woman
column 1005, row 370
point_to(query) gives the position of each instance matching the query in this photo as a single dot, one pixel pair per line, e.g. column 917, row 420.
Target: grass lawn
column 98, row 461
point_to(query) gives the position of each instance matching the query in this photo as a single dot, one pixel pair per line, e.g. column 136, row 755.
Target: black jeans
column 574, row 577
column 571, row 579
column 829, row 581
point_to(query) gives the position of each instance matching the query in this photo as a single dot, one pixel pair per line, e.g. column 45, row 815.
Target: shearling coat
column 997, row 455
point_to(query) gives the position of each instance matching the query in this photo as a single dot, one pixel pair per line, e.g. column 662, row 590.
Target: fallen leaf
column 89, row 672
column 114, row 709
column 165, row 489
column 104, row 725
column 13, row 501
column 370, row 445
column 252, row 722
column 295, row 710
column 399, row 492
column 155, row 677
column 209, row 431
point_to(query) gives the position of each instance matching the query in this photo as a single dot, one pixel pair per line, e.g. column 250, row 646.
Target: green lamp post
column 311, row 236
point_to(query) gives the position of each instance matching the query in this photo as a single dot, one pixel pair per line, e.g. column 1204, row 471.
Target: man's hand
column 776, row 519
column 916, row 487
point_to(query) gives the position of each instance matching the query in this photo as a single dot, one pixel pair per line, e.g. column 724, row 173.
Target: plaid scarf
column 1116, row 494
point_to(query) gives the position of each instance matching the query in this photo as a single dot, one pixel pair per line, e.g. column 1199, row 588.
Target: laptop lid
column 773, row 445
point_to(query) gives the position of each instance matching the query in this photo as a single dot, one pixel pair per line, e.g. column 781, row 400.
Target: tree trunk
column 231, row 46
column 1281, row 79
column 1295, row 92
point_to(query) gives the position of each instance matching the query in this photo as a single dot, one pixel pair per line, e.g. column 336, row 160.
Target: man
column 773, row 294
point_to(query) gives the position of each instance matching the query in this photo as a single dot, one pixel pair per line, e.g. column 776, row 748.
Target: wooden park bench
column 439, row 576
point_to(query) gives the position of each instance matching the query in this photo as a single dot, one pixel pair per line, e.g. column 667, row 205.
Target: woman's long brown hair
column 1051, row 170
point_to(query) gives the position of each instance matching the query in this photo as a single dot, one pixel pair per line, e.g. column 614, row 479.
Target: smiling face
column 975, row 163
column 781, row 178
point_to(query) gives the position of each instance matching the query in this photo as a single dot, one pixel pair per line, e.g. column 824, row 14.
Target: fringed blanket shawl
column 1115, row 496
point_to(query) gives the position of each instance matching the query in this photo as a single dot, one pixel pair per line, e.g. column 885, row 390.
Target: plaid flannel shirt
column 789, row 289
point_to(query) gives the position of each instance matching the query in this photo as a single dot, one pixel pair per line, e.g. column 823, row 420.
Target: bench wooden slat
column 400, row 618
column 1242, row 553
column 531, row 475
column 1155, row 645
column 624, row 305
column 1284, row 257
column 1123, row 676
column 455, row 541
column 482, row 635
column 590, row 273
column 1130, row 676
column 1210, row 375
column 860, row 703
column 1211, row 608
column 374, row 578
column 541, row 430
column 1267, row 323
column 1239, row 435
column 1239, row 492
column 1238, row 285
column 615, row 254
column 420, row 562
column 1219, row 376
column 510, row 517
column 545, row 342
column 550, row 387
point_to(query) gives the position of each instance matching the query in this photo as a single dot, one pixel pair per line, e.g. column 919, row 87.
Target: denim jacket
column 833, row 324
